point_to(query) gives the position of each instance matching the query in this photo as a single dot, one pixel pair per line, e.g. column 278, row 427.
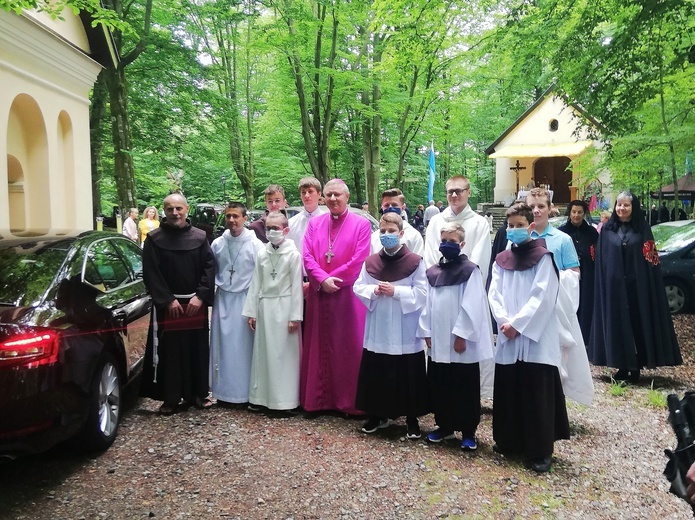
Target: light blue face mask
column 517, row 235
column 389, row 240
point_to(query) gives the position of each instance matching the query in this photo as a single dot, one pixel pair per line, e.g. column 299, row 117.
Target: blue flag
column 433, row 174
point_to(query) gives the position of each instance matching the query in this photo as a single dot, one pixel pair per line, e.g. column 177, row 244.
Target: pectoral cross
column 273, row 274
column 231, row 273
column 329, row 255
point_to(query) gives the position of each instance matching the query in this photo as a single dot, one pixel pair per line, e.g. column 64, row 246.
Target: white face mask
column 275, row 236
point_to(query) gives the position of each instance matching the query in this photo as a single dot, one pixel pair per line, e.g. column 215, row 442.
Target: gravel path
column 231, row 463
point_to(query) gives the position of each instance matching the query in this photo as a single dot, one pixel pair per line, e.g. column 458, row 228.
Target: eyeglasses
column 456, row 191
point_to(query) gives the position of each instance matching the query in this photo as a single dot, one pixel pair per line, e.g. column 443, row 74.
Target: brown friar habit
column 452, row 272
column 523, row 256
column 389, row 268
column 177, row 261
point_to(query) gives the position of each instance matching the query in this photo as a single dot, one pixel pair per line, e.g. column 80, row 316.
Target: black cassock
column 178, row 261
column 632, row 327
column 584, row 237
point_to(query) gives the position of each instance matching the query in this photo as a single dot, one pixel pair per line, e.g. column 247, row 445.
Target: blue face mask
column 518, row 235
column 389, row 240
column 391, row 209
column 450, row 250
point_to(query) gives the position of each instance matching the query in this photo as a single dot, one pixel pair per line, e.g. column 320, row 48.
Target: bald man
column 179, row 272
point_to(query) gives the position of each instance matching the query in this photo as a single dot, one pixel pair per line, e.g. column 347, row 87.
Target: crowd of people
column 318, row 313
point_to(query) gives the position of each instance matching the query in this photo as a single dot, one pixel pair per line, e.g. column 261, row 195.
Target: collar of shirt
column 547, row 231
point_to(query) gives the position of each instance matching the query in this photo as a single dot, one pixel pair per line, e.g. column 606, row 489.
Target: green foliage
column 456, row 74
column 55, row 8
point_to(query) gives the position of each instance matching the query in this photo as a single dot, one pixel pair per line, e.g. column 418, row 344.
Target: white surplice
column 231, row 340
column 458, row 310
column 478, row 246
column 298, row 224
column 392, row 321
column 411, row 238
column 274, row 299
column 575, row 371
column 527, row 299
column 461, row 310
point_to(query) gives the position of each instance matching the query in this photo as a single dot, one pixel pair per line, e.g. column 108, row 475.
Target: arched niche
column 15, row 192
column 64, row 169
column 28, row 145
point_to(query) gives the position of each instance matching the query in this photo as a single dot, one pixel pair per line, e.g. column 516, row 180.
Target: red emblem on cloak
column 592, row 250
column 650, row 253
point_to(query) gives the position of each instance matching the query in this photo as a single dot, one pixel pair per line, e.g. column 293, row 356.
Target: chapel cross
column 517, row 169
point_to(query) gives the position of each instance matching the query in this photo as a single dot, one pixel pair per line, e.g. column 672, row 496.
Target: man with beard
column 179, row 272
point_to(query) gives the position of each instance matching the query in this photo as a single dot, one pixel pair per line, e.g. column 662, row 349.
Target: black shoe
column 374, row 424
column 541, row 465
column 168, row 409
column 621, row 375
column 633, row 376
column 413, row 428
column 293, row 412
column 506, row 452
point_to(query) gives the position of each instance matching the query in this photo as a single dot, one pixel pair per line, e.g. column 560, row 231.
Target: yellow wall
column 45, row 177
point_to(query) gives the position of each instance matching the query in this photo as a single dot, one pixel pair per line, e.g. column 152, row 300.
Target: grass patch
column 618, row 388
column 656, row 398
column 546, row 502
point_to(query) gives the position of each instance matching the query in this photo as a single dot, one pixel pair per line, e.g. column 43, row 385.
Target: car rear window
column 27, row 271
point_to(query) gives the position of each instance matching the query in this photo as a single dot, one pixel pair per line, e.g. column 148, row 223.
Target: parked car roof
column 664, row 231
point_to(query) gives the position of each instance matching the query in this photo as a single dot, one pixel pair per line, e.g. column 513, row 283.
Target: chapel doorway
column 553, row 171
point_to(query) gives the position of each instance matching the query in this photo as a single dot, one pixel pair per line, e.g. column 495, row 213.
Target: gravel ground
column 231, row 463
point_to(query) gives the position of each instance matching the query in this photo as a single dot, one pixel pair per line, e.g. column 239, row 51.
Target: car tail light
column 29, row 350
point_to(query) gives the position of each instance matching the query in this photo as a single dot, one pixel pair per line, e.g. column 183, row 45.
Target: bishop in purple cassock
column 335, row 247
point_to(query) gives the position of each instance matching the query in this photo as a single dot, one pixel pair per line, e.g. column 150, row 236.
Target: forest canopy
column 220, row 98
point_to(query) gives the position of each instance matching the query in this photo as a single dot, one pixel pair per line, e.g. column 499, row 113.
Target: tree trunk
column 97, row 112
column 229, row 85
column 248, row 192
column 316, row 103
column 371, row 129
column 123, row 170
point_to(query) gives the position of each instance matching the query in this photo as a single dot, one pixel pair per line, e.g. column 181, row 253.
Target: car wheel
column 105, row 405
column 676, row 296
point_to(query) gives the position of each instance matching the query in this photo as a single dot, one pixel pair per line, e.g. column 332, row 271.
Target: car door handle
column 121, row 318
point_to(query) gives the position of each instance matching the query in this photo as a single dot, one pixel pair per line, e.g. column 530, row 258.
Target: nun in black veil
column 584, row 236
column 632, row 327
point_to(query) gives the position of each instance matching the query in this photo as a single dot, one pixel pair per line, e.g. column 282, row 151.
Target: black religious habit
column 584, row 238
column 177, row 261
column 632, row 327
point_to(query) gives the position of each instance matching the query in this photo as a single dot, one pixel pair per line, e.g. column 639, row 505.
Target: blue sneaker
column 440, row 435
column 469, row 444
